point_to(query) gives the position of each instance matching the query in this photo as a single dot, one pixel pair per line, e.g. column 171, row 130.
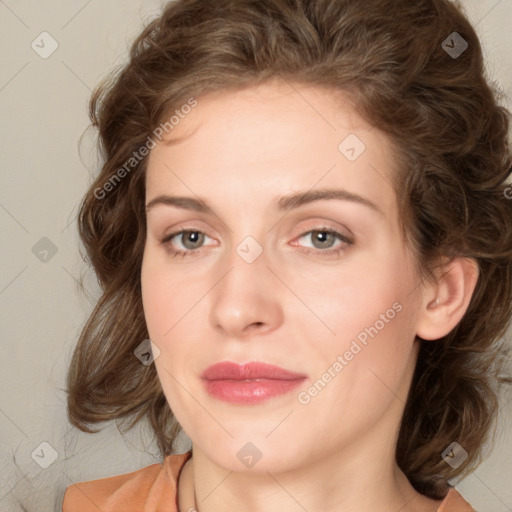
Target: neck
column 328, row 484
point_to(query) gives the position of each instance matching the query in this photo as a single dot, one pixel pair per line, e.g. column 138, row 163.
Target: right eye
column 190, row 241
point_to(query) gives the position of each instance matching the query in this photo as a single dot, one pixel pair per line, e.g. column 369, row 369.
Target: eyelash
column 308, row 251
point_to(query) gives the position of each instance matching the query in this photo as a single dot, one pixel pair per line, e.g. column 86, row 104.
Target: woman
column 303, row 206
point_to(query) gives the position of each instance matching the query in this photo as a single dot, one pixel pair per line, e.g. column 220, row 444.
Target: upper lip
column 253, row 370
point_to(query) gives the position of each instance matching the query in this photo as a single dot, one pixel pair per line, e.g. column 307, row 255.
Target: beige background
column 43, row 114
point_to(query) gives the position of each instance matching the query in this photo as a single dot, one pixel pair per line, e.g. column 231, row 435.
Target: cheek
column 370, row 316
column 162, row 305
column 360, row 379
column 165, row 294
column 156, row 298
column 360, row 300
column 155, row 311
column 172, row 311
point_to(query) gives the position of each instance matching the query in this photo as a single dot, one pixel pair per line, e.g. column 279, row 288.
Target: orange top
column 153, row 489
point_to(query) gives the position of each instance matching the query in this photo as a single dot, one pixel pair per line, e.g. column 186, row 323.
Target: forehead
column 270, row 139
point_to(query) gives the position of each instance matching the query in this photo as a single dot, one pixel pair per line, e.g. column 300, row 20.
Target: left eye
column 324, row 238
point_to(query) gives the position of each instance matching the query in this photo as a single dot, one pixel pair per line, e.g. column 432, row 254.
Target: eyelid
column 325, row 229
column 179, row 231
column 319, row 225
column 326, row 225
column 199, row 226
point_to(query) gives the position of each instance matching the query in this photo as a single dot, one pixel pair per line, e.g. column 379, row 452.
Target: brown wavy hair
column 441, row 113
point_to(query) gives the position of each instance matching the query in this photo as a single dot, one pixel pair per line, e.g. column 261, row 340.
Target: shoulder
column 143, row 489
column 454, row 502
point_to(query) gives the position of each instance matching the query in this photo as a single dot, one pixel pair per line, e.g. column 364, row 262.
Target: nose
column 247, row 299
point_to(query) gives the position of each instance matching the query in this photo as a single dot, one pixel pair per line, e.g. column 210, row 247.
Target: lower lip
column 249, row 391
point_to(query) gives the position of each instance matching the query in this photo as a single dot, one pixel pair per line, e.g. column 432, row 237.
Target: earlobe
column 446, row 299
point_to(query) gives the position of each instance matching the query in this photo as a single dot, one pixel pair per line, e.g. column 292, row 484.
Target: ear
column 446, row 298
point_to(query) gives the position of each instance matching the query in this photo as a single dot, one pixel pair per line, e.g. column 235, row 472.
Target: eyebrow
column 284, row 203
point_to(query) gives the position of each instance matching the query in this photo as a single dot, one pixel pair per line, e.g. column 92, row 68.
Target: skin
column 240, row 152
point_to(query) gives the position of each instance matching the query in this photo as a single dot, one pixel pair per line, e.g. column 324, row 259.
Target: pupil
column 192, row 238
column 321, row 236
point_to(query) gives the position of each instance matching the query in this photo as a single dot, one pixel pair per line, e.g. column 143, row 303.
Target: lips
column 250, row 383
column 248, row 371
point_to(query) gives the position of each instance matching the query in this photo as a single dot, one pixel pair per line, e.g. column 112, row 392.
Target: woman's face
column 294, row 257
